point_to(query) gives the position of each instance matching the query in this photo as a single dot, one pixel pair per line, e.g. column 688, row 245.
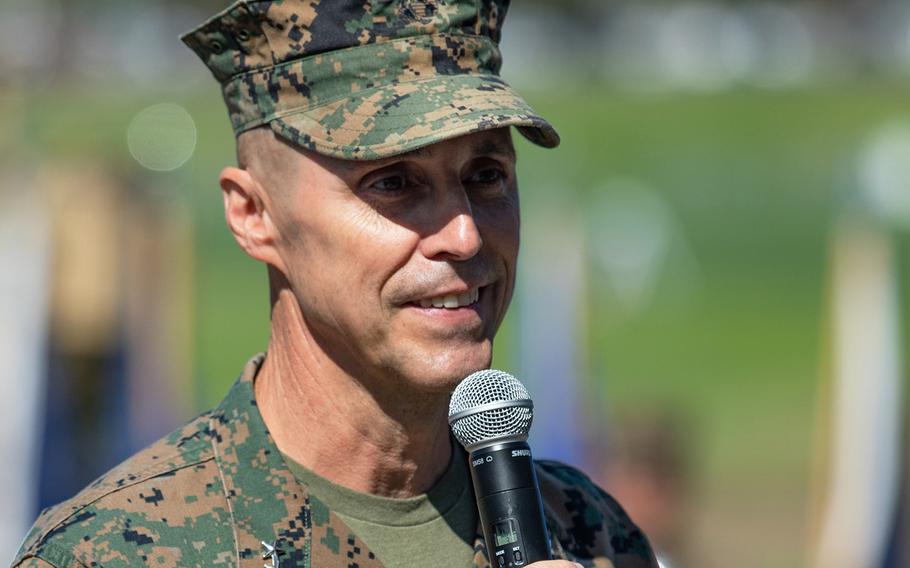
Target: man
column 376, row 181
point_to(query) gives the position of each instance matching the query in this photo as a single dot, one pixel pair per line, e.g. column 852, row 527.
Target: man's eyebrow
column 480, row 148
column 491, row 147
column 349, row 166
column 422, row 152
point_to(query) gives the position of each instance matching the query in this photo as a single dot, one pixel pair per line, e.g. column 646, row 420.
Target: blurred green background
column 731, row 338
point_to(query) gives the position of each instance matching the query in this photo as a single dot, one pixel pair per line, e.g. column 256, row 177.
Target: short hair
column 252, row 147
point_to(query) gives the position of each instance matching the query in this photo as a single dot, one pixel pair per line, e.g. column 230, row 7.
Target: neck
column 333, row 424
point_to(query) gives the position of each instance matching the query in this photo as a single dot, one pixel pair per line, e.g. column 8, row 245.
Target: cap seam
column 422, row 107
column 521, row 116
column 243, row 74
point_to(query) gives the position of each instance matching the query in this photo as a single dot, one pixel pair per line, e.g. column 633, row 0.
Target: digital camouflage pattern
column 218, row 493
column 364, row 79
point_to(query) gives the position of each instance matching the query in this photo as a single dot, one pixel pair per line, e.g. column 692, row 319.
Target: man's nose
column 455, row 235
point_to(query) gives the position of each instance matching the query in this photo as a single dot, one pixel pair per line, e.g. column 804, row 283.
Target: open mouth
column 451, row 301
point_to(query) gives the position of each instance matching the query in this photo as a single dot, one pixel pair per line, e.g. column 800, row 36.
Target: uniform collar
column 268, row 506
column 266, row 503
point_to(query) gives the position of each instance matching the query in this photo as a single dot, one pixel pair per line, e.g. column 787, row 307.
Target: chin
column 442, row 371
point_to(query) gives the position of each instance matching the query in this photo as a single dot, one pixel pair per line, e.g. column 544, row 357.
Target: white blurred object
column 904, row 44
column 24, row 254
column 637, row 242
column 630, row 232
column 884, row 173
column 865, row 421
column 162, row 137
column 630, row 57
column 29, row 30
column 689, row 43
column 704, row 46
column 785, row 47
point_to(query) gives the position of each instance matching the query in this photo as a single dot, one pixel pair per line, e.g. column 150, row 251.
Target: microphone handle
column 509, row 503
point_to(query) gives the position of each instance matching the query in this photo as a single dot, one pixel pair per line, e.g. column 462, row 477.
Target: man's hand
column 555, row 564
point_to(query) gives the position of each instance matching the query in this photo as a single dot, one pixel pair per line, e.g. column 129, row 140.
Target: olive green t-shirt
column 434, row 529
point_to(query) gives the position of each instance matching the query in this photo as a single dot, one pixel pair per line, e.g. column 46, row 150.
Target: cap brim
column 394, row 119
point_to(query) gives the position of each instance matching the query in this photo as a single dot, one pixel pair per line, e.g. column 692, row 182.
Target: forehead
column 495, row 143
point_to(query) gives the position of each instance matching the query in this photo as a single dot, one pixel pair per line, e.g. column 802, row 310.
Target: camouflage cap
column 362, row 79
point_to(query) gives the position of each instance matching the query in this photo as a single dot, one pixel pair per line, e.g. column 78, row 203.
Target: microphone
column 490, row 415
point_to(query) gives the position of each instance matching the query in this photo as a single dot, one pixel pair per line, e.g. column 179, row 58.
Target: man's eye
column 390, row 183
column 487, row 176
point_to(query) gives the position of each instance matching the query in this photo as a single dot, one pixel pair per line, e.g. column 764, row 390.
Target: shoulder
column 588, row 522
column 170, row 485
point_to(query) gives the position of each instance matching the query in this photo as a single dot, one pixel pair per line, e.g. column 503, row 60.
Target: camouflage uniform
column 216, row 491
column 353, row 79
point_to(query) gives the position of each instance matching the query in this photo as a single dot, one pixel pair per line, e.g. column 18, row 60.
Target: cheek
column 501, row 228
column 380, row 245
column 501, row 239
column 355, row 253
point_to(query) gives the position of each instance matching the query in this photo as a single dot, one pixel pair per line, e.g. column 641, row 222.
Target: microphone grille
column 501, row 408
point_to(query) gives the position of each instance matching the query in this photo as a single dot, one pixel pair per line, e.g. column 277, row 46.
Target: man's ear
column 248, row 217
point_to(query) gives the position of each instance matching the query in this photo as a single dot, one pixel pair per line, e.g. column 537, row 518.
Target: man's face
column 403, row 267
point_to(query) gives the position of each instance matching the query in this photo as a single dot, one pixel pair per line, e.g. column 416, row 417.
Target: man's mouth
column 451, row 301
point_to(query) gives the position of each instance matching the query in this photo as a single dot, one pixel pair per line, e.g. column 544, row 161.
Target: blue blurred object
column 85, row 422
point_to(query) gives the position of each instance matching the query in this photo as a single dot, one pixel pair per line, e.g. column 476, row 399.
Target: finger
column 555, row 564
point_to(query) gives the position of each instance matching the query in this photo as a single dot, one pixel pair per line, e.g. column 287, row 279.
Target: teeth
column 452, row 300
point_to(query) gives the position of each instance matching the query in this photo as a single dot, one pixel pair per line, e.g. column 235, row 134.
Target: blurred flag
column 24, row 259
column 858, row 485
column 550, row 338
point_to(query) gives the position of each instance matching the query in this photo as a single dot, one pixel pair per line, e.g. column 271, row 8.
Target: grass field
column 753, row 180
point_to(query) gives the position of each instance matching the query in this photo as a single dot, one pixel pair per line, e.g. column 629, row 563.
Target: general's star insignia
column 271, row 552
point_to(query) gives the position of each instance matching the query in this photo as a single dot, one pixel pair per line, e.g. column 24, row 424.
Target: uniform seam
column 224, row 488
column 58, row 551
column 142, row 476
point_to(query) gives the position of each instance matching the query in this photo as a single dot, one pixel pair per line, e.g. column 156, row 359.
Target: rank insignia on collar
column 271, row 552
